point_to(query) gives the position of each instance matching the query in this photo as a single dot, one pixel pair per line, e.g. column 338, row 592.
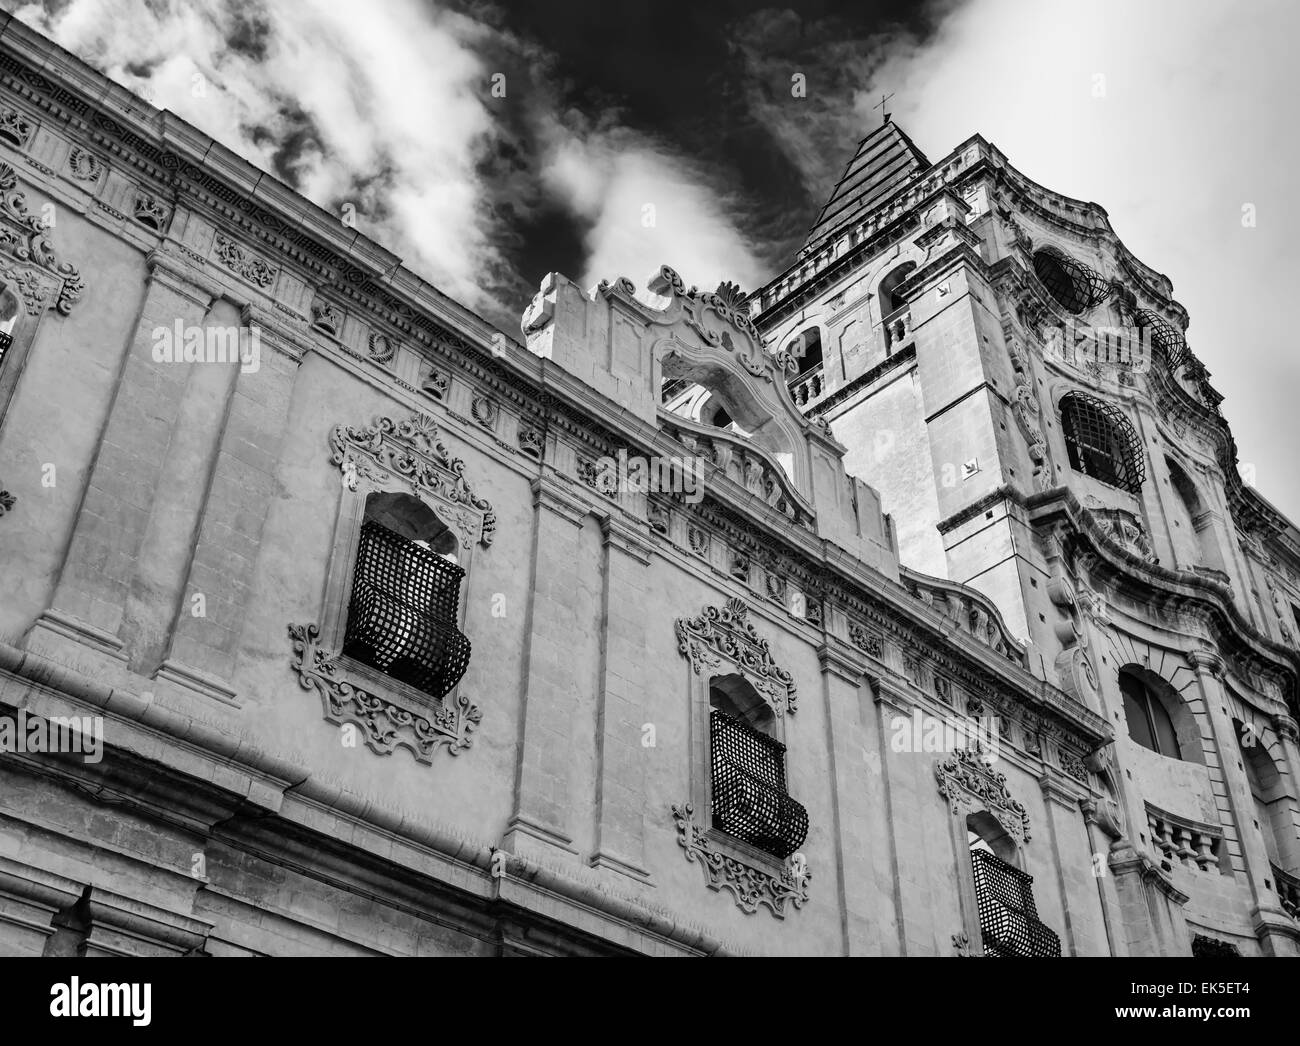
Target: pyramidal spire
column 885, row 161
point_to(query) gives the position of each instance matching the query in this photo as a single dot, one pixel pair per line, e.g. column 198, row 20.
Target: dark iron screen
column 402, row 616
column 749, row 796
column 1102, row 443
column 1009, row 922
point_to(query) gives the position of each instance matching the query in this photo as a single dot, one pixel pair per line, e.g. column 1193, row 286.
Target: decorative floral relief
column 242, row 262
column 85, row 166
column 485, row 411
column 381, row 348
column 699, row 540
column 386, row 722
column 531, row 441
column 148, row 210
column 727, row 633
column 15, row 127
column 866, row 640
column 967, row 781
column 7, row 502
column 411, row 448
column 26, row 238
column 435, row 384
column 660, row 518
column 326, row 316
column 750, row 886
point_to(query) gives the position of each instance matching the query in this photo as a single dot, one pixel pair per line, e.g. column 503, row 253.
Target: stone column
column 620, row 742
column 1285, row 728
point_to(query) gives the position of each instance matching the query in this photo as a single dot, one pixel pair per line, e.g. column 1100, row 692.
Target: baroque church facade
column 945, row 624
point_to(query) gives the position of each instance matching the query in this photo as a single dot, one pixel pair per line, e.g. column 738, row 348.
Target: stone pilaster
column 1072, row 861
column 540, row 821
column 1273, row 926
column 239, row 494
column 103, row 555
column 622, row 744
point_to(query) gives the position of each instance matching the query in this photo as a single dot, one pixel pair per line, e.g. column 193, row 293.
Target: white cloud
column 645, row 208
column 394, row 93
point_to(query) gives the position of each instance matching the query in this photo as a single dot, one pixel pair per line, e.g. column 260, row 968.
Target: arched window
column 1004, row 895
column 1101, row 442
column 748, row 785
column 1073, row 285
column 810, row 343
column 1272, row 804
column 1149, row 721
column 403, row 613
column 890, row 302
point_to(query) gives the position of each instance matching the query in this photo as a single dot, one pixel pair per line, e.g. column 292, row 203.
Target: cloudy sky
column 491, row 143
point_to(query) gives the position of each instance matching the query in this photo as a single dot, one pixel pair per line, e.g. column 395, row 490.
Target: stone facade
column 180, row 538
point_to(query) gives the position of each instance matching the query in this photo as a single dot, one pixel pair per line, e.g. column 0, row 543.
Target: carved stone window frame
column 405, row 456
column 721, row 642
column 971, row 786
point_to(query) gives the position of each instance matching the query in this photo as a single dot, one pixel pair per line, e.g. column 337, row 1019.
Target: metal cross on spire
column 884, row 116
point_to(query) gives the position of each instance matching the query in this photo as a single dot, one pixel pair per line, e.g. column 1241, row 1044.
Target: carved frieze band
column 386, row 722
column 750, row 886
column 726, row 633
column 968, row 782
column 412, row 450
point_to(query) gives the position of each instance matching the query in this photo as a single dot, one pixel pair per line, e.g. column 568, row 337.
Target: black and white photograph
column 638, row 480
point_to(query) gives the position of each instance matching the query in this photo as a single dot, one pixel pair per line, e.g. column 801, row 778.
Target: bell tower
column 892, row 309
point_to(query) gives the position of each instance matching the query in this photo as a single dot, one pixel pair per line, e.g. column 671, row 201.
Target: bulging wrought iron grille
column 749, row 796
column 1075, row 286
column 1101, row 442
column 1166, row 337
column 402, row 616
column 1009, row 922
column 5, row 341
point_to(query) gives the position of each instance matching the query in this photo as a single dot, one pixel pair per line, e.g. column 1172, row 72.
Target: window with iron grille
column 1101, row 442
column 403, row 610
column 750, row 802
column 1009, row 923
column 1075, row 286
column 6, row 340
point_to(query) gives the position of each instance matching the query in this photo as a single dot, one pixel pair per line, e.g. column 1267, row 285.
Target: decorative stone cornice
column 1286, row 728
column 388, row 721
column 841, row 661
column 750, row 886
column 968, row 782
column 556, row 495
column 726, row 634
column 627, row 537
column 1058, row 791
column 1206, row 662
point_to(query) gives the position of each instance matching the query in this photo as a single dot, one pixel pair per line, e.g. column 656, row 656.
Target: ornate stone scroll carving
column 967, row 781
column 750, row 886
column 412, row 450
column 386, row 722
column 242, row 262
column 725, row 633
column 39, row 276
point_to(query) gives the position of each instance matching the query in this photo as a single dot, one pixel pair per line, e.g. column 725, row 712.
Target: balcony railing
column 402, row 616
column 807, row 387
column 898, row 329
column 1192, row 843
column 749, row 797
column 1009, row 923
column 1288, row 891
